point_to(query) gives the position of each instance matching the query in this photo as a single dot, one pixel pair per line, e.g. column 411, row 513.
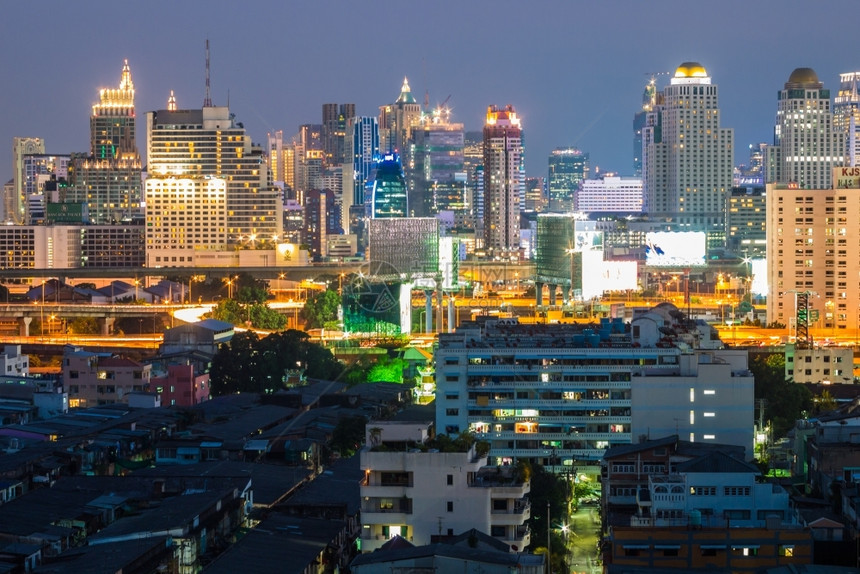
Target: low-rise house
column 100, row 378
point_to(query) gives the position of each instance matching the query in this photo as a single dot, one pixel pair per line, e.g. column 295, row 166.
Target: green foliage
column 548, row 487
column 251, row 364
column 824, row 402
column 348, row 435
column 787, row 400
column 387, row 370
column 259, row 314
column 83, row 326
column 320, row 308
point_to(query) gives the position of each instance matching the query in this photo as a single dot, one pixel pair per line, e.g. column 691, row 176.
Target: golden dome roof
column 691, row 70
column 803, row 76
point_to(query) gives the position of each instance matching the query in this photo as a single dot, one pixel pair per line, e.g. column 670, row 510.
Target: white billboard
column 599, row 276
column 675, row 248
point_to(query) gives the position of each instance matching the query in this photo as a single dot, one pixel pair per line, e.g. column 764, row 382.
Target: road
column 582, row 540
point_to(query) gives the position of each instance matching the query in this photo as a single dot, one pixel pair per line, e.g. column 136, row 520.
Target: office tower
column 813, row 245
column 535, row 194
column 753, row 172
column 277, row 156
column 334, row 118
column 806, row 147
column 397, row 120
column 610, row 194
column 361, row 150
column 15, row 204
column 107, row 179
column 503, row 182
column 204, row 159
column 309, row 158
column 687, row 156
column 389, row 197
column 649, row 99
column 746, row 217
column 568, row 167
column 473, row 164
column 437, row 176
column 320, row 213
column 45, row 181
column 846, row 115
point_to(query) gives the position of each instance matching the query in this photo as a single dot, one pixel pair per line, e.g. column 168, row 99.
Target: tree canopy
column 787, row 401
column 251, row 364
column 321, row 308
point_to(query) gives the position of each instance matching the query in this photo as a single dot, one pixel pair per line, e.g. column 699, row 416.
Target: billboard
column 675, row 248
column 599, row 276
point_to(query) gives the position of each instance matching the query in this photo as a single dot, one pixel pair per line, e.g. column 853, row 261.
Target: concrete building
column 561, row 394
column 203, row 337
column 107, row 178
column 180, row 386
column 813, row 245
column 819, row 364
column 189, row 152
column 846, row 115
column 396, row 122
column 334, row 123
column 746, row 219
column 71, row 246
column 15, row 203
column 610, row 194
column 568, row 168
column 504, row 182
column 806, row 147
column 687, row 158
column 100, row 378
column 414, row 491
column 13, row 363
column 437, row 177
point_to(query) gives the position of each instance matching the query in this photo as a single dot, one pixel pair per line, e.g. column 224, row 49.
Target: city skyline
column 574, row 81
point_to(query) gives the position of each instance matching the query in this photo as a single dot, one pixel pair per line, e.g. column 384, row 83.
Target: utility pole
column 548, row 551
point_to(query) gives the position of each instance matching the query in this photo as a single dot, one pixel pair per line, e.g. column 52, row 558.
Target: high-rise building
column 397, row 120
column 746, row 219
column 334, row 119
column 813, row 244
column 360, row 152
column 687, row 156
column 437, row 179
column 846, row 115
column 15, row 204
column 107, row 179
column 504, row 177
column 568, row 167
column 806, row 147
column 610, row 194
column 535, row 194
column 389, row 197
column 640, row 120
column 45, row 181
column 203, row 164
column 309, row 158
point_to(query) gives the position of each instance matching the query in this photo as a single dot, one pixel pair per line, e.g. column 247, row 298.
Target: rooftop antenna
column 207, row 100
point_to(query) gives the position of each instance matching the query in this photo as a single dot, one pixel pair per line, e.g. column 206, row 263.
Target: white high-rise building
column 188, row 152
column 504, row 181
column 610, row 194
column 846, row 115
column 806, row 147
column 15, row 204
column 687, row 156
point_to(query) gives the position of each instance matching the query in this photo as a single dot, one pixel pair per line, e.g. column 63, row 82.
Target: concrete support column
column 439, row 314
column 565, row 294
column 24, row 326
column 452, row 311
column 106, row 325
column 539, row 294
column 428, row 311
column 552, row 292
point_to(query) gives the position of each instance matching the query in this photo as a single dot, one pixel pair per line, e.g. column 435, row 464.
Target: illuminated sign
column 675, row 249
column 846, row 177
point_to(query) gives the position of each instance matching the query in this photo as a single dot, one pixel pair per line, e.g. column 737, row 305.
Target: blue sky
column 575, row 70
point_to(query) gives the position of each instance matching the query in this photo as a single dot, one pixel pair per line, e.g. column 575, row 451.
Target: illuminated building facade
column 361, row 151
column 397, row 120
column 746, row 219
column 504, row 178
column 107, row 179
column 568, row 167
column 846, row 115
column 437, row 178
column 334, row 120
column 189, row 152
column 806, row 147
column 45, row 181
column 610, row 194
column 687, row 156
column 640, row 119
column 389, row 197
column 813, row 244
column 64, row 246
column 15, row 203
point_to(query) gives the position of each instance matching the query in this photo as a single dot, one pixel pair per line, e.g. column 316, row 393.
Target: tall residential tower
column 504, row 178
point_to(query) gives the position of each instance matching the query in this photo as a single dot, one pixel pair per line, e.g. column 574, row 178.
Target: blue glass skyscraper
column 389, row 198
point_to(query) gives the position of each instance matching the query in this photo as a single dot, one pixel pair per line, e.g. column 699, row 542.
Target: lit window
column 709, row 437
column 710, row 392
column 710, row 414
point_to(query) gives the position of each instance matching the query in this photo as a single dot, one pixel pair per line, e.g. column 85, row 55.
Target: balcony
column 522, row 538
column 515, row 516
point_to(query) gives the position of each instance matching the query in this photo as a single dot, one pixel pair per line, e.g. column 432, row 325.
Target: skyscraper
column 649, row 99
column 334, row 120
column 805, row 147
column 568, row 167
column 15, row 203
column 503, row 181
column 107, row 179
column 360, row 151
column 389, row 198
column 687, row 156
column 437, row 178
column 846, row 115
column 194, row 155
column 397, row 120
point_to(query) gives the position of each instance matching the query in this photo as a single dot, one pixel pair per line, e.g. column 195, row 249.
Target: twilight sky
column 574, row 69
